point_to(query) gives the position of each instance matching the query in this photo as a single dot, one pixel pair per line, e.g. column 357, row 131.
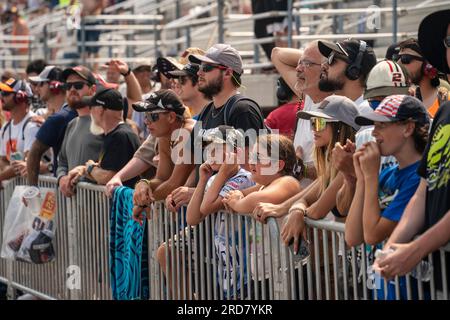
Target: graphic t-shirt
column 16, row 137
column 435, row 168
column 395, row 188
column 236, row 262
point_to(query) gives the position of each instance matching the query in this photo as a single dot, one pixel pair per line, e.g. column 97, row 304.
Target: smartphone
column 16, row 156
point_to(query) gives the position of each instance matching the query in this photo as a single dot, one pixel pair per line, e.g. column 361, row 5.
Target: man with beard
column 422, row 74
column 219, row 76
column 50, row 90
column 119, row 141
column 346, row 69
column 79, row 144
column 301, row 71
column 18, row 134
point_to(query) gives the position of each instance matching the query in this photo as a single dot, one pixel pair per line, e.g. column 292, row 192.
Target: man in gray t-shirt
column 79, row 144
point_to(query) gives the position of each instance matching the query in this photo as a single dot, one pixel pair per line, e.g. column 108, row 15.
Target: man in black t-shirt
column 429, row 209
column 219, row 76
column 119, row 143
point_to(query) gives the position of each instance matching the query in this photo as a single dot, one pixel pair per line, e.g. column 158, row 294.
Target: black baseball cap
column 349, row 49
column 81, row 71
column 188, row 70
column 106, row 98
column 396, row 108
column 164, row 99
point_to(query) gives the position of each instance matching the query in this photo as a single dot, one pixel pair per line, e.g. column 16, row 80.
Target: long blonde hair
column 325, row 171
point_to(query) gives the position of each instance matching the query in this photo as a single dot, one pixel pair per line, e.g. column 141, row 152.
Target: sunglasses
column 210, row 67
column 320, row 124
column 5, row 93
column 153, row 116
column 77, row 85
column 447, row 41
column 335, row 56
column 408, row 58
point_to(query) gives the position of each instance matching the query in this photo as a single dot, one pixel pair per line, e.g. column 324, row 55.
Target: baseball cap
column 335, row 107
column 163, row 99
column 222, row 54
column 81, row 71
column 385, row 79
column 50, row 73
column 396, row 108
column 224, row 135
column 13, row 85
column 106, row 98
column 167, row 64
column 432, row 31
column 188, row 70
column 350, row 48
column 141, row 64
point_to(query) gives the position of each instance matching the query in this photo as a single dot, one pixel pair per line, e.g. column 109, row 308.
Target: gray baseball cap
column 335, row 108
column 222, row 54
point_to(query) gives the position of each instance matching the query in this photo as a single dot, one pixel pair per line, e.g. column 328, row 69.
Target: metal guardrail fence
column 227, row 256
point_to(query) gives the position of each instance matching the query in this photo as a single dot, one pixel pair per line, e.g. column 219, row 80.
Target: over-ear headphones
column 21, row 96
column 353, row 71
column 284, row 93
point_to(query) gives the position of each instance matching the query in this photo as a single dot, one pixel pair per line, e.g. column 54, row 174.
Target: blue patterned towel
column 128, row 259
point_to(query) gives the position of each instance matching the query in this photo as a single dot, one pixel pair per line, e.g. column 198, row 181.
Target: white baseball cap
column 386, row 78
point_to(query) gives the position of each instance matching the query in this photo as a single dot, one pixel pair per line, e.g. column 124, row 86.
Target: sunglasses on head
column 335, row 56
column 447, row 41
column 320, row 124
column 210, row 67
column 77, row 85
column 153, row 116
column 408, row 58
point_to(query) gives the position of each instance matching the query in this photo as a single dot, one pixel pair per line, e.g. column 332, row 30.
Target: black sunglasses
column 408, row 58
column 447, row 41
column 210, row 67
column 77, row 85
column 153, row 116
column 5, row 93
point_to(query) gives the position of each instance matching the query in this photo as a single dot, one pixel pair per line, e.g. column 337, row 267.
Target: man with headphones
column 422, row 74
column 50, row 89
column 18, row 134
column 346, row 69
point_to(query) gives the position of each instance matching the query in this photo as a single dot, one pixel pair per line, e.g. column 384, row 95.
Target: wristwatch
column 90, row 168
column 127, row 73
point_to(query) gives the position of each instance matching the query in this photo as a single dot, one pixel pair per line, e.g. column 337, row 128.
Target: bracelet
column 127, row 73
column 293, row 208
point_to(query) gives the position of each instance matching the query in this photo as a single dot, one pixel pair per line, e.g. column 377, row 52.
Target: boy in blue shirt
column 401, row 130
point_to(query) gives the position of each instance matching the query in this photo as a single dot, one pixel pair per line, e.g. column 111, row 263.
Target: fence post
column 188, row 37
column 220, row 20
column 46, row 50
column 394, row 21
column 83, row 41
column 289, row 17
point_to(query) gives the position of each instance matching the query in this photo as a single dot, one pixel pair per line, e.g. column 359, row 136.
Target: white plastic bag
column 29, row 226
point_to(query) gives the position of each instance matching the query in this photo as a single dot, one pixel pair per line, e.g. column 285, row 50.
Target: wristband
column 143, row 180
column 293, row 208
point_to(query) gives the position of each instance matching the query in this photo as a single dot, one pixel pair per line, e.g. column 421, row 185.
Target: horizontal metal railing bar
column 149, row 27
column 122, row 17
column 297, row 4
column 329, row 225
column 35, row 293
